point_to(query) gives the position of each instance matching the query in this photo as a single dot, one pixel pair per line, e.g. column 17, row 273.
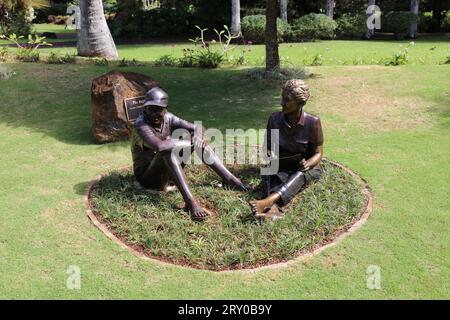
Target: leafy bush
column 129, row 63
column 188, row 60
column 400, row 57
column 27, row 54
column 18, row 24
column 397, row 22
column 166, row 60
column 424, row 21
column 313, row 26
column 209, row 58
column 253, row 28
column 163, row 21
column 3, row 54
column 101, row 62
column 445, row 24
column 54, row 58
column 351, row 25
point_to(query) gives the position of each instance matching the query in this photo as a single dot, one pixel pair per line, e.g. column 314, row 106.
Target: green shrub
column 101, row 62
column 3, row 54
column 27, row 54
column 445, row 23
column 313, row 26
column 188, row 60
column 253, row 28
column 166, row 60
column 351, row 25
column 129, row 63
column 18, row 24
column 424, row 21
column 397, row 22
column 399, row 58
column 209, row 58
column 54, row 58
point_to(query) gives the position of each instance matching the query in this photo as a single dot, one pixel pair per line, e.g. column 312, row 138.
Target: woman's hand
column 304, row 165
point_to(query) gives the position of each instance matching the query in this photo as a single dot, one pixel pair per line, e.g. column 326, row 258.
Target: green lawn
column 333, row 52
column 389, row 124
column 426, row 50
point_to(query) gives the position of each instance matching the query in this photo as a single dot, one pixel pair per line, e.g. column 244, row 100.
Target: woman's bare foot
column 260, row 206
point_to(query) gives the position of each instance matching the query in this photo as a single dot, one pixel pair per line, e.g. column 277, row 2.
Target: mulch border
column 364, row 215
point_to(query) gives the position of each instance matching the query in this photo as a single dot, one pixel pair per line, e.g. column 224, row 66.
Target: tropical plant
column 27, row 52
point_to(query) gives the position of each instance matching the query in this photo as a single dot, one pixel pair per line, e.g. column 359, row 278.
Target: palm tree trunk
column 272, row 55
column 370, row 32
column 330, row 8
column 94, row 37
column 415, row 11
column 283, row 10
column 235, row 17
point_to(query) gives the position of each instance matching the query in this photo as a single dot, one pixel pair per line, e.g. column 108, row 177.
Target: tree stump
column 108, row 93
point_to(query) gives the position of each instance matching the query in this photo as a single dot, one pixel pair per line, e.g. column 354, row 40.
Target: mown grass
column 232, row 237
column 426, row 50
column 389, row 124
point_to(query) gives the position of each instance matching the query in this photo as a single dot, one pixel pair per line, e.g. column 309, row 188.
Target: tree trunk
column 94, row 37
column 235, row 17
column 415, row 11
column 283, row 10
column 370, row 32
column 330, row 8
column 272, row 56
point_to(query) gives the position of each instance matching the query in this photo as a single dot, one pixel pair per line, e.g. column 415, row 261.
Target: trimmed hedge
column 351, row 26
column 397, row 22
column 313, row 26
column 253, row 28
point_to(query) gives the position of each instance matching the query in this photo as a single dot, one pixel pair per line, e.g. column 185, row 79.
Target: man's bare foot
column 197, row 212
column 260, row 206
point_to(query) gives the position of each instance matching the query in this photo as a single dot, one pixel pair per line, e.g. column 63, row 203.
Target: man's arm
column 149, row 137
column 198, row 137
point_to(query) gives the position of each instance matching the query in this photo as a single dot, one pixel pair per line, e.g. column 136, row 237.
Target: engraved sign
column 134, row 107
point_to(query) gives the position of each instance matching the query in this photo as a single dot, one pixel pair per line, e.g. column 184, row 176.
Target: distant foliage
column 17, row 24
column 253, row 28
column 313, row 26
column 351, row 26
column 397, row 22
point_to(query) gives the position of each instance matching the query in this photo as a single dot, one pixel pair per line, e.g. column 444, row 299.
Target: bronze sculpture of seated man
column 300, row 151
column 155, row 164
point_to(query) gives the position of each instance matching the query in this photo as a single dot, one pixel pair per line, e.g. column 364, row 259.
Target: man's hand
column 199, row 139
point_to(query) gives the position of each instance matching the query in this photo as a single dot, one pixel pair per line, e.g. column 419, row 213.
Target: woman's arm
column 305, row 165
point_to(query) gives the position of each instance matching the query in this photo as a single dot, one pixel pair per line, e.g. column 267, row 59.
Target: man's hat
column 156, row 97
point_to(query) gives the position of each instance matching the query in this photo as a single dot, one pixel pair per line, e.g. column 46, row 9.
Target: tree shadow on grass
column 55, row 99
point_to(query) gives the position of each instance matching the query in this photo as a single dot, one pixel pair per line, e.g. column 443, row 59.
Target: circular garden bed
column 155, row 225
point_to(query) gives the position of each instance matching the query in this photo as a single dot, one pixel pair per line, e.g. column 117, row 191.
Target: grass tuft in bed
column 231, row 238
